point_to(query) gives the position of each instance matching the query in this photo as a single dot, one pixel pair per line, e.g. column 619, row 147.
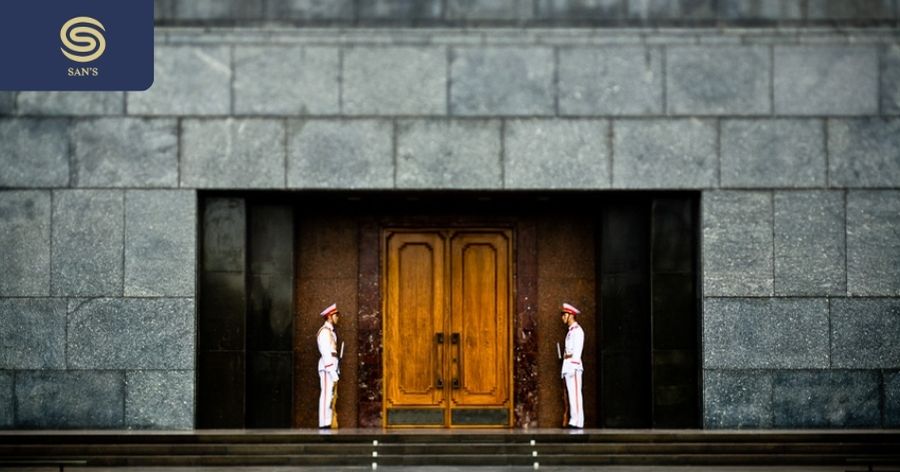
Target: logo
column 82, row 39
column 66, row 45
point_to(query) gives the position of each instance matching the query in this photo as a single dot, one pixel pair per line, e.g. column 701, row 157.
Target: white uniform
column 328, row 371
column 572, row 372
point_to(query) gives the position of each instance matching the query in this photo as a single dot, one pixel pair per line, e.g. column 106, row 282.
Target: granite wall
column 793, row 137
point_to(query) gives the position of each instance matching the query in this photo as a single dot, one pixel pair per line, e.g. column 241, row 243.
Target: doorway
column 447, row 352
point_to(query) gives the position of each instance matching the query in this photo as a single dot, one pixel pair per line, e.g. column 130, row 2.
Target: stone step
column 473, row 460
column 542, row 448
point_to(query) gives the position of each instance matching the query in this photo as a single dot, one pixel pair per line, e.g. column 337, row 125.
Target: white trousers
column 576, row 399
column 326, row 383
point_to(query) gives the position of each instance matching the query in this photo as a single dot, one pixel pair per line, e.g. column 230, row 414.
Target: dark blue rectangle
column 34, row 38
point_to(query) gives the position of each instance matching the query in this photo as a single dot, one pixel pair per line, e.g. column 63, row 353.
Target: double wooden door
column 447, row 350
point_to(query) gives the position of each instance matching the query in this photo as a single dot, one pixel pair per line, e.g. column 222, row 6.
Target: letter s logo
column 83, row 36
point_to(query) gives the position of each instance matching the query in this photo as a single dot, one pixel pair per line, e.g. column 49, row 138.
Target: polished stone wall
column 791, row 135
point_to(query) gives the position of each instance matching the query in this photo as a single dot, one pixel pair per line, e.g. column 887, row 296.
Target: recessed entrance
column 447, row 352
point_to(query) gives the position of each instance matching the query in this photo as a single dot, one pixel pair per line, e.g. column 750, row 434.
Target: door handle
column 455, row 339
column 439, row 359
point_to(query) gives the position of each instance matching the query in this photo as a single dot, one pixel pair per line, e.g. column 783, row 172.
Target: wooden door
column 447, row 351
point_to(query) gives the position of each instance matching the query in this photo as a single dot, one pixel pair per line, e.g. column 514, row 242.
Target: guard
column 328, row 367
column 572, row 368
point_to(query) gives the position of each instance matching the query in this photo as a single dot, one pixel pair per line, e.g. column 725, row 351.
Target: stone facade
column 790, row 135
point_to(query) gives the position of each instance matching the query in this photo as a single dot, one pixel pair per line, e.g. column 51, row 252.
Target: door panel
column 415, row 302
column 447, row 353
column 480, row 313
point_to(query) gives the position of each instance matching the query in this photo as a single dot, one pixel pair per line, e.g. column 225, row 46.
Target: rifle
column 334, row 418
column 565, row 392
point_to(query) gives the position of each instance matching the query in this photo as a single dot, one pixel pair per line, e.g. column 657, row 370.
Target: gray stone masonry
column 610, row 81
column 394, row 81
column 131, row 333
column 865, row 333
column 33, row 333
column 283, row 80
column 35, row 153
column 159, row 399
column 810, row 243
column 773, row 153
column 232, row 153
column 737, row 399
column 71, row 103
column 864, row 152
column 556, row 13
column 88, row 236
column 788, row 135
column 810, row 80
column 677, row 153
column 124, row 152
column 160, row 263
column 555, row 154
column 25, row 226
column 765, row 333
column 737, row 244
column 725, row 80
column 352, row 154
column 873, row 243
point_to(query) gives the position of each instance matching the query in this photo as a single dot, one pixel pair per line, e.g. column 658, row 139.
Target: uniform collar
column 574, row 325
column 328, row 325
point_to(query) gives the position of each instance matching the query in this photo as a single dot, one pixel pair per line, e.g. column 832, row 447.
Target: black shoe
column 324, row 427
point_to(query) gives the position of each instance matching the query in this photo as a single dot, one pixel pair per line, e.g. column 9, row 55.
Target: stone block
column 163, row 11
column 318, row 11
column 826, row 80
column 25, row 239
column 232, row 153
column 664, row 154
column 557, row 154
column 826, row 399
column 35, row 152
column 7, row 400
column 651, row 10
column 864, row 152
column 32, row 333
column 735, row 399
column 489, row 10
column 449, row 154
column 737, row 244
column 855, row 10
column 395, row 81
column 213, row 10
column 87, row 243
column 350, row 154
column 626, row 80
column 286, row 80
column 131, row 333
column 752, row 11
column 502, row 81
column 765, row 333
column 580, row 10
column 70, row 399
column 873, row 248
column 188, row 80
column 810, row 243
column 891, row 399
column 71, row 103
column 865, row 333
column 890, row 80
column 129, row 152
column 160, row 242
column 773, row 153
column 159, row 399
column 703, row 80
column 400, row 11
column 7, row 103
